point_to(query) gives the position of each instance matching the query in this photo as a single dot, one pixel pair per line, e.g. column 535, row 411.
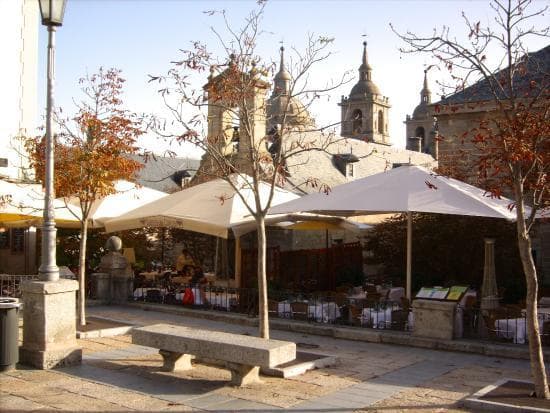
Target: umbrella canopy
column 128, row 196
column 404, row 189
column 211, row 208
column 22, row 205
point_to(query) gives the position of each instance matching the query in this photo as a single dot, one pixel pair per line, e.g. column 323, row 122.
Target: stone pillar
column 434, row 319
column 489, row 290
column 49, row 324
column 119, row 274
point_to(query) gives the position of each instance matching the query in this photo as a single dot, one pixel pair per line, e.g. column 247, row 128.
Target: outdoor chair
column 355, row 315
column 340, row 299
column 399, row 320
column 299, row 311
column 273, row 308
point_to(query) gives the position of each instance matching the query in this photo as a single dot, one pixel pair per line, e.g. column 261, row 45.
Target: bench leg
column 242, row 375
column 175, row 361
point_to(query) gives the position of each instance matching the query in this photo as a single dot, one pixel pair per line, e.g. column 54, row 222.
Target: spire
column 365, row 69
column 282, row 78
column 425, row 93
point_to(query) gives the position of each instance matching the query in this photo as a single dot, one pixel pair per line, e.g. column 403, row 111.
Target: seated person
column 185, row 264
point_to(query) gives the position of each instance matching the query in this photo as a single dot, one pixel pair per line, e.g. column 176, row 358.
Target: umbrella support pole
column 409, row 253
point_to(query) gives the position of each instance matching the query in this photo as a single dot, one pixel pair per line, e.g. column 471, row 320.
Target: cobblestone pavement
column 118, row 376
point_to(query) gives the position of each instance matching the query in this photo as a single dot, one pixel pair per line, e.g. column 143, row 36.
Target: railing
column 10, row 285
column 327, row 308
column 503, row 324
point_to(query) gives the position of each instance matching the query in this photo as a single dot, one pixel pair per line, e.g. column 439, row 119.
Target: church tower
column 235, row 124
column 420, row 125
column 284, row 108
column 365, row 112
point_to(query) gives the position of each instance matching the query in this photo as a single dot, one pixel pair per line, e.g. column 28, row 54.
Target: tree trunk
column 538, row 371
column 262, row 278
column 82, row 273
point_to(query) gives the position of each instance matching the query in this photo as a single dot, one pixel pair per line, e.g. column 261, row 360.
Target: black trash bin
column 9, row 333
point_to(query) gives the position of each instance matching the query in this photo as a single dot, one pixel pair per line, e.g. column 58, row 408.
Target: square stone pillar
column 434, row 319
column 49, row 324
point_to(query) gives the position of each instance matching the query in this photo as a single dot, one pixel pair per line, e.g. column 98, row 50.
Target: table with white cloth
column 142, row 292
column 284, row 310
column 381, row 318
column 514, row 328
column 377, row 317
column 323, row 312
column 221, row 300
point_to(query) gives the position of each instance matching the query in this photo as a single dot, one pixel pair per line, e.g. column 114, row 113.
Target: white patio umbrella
column 210, row 208
column 128, row 197
column 22, row 205
column 405, row 189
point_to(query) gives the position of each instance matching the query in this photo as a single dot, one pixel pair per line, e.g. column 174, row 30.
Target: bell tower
column 365, row 112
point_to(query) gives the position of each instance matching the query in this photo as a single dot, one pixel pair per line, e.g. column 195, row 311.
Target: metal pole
column 48, row 270
column 409, row 254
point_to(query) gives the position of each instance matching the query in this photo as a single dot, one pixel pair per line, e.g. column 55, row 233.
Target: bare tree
column 511, row 147
column 230, row 121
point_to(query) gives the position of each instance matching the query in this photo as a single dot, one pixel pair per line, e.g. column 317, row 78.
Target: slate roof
column 538, row 69
column 367, row 159
column 164, row 173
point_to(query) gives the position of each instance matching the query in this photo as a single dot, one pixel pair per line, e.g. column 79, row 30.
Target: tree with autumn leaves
column 508, row 152
column 91, row 151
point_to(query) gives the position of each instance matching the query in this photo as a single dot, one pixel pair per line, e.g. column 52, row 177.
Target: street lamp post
column 49, row 319
column 52, row 12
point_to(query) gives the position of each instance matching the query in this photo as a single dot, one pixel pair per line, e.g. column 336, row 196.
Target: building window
column 350, row 170
column 357, row 122
column 419, row 133
column 380, row 122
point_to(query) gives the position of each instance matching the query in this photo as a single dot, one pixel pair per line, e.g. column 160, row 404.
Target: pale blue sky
column 142, row 37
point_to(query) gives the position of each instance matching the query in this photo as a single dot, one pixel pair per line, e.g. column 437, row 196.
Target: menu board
column 433, row 293
column 456, row 292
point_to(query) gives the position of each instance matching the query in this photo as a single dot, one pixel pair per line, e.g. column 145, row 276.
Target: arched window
column 419, row 133
column 357, row 121
column 380, row 121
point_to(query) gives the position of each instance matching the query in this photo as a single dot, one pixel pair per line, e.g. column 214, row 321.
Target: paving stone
column 239, row 404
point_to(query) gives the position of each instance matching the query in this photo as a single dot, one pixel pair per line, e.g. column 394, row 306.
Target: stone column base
column 49, row 324
column 52, row 358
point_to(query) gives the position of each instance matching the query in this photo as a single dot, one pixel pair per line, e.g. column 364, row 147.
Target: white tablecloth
column 378, row 318
column 324, row 312
column 142, row 292
column 283, row 309
column 515, row 328
column 221, row 300
column 382, row 318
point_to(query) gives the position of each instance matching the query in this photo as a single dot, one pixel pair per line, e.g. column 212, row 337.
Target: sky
column 142, row 37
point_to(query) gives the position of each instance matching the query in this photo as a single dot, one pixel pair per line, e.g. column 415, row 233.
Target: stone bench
column 243, row 355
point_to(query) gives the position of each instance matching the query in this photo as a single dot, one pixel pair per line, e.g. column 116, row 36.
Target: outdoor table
column 142, row 292
column 324, row 312
column 221, row 300
column 284, row 310
column 150, row 276
column 514, row 328
column 376, row 317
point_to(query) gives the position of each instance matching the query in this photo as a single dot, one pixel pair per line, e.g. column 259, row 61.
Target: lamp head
column 52, row 12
